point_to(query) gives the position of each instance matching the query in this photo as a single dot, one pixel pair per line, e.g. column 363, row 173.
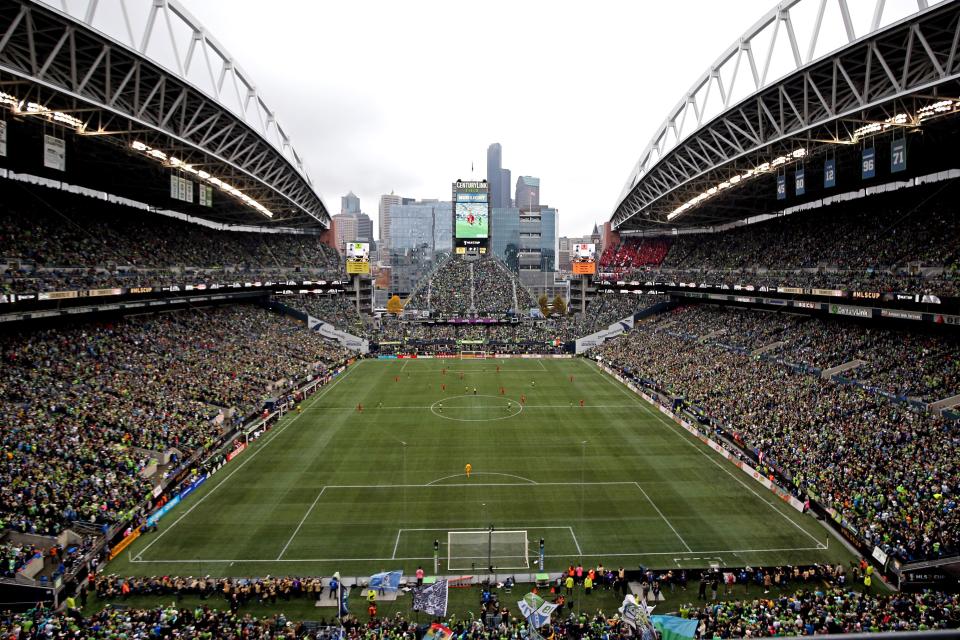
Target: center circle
column 476, row 408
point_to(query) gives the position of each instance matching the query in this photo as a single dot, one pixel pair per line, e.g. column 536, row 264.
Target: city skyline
column 414, row 110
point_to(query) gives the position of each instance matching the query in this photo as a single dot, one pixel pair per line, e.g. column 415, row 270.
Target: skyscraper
column 344, row 230
column 386, row 201
column 505, row 182
column 350, row 203
column 494, row 175
column 364, row 227
column 528, row 193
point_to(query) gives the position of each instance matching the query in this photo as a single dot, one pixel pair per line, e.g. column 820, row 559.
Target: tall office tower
column 494, row 175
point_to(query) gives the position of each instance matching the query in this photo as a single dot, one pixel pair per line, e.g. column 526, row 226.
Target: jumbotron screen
column 358, row 257
column 472, row 219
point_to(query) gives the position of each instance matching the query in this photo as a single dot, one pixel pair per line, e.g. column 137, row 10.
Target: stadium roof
column 807, row 82
column 147, row 78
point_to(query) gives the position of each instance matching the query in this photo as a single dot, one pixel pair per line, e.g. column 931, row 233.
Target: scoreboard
column 471, row 217
column 584, row 258
column 358, row 257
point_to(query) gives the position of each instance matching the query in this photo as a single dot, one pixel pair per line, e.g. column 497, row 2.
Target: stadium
column 743, row 420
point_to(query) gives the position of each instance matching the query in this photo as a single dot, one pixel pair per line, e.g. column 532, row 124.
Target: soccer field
column 614, row 481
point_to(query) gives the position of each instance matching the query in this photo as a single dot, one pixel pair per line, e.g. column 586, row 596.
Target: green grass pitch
column 614, row 481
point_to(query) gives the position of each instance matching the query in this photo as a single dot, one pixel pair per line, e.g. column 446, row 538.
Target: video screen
column 472, row 220
column 358, row 251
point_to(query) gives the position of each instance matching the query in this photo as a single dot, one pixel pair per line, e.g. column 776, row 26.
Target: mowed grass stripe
column 388, row 455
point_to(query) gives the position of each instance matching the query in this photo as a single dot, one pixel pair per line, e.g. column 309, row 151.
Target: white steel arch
column 784, row 42
column 166, row 33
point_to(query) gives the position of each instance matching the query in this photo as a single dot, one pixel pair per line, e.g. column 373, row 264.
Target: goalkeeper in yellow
column 468, row 469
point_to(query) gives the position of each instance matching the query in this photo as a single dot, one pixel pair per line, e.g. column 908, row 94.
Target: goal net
column 472, row 550
column 464, row 355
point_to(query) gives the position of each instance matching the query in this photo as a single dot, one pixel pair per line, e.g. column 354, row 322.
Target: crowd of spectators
column 53, row 241
column 868, row 244
column 458, row 287
column 888, row 468
column 821, row 603
column 85, row 408
column 816, row 611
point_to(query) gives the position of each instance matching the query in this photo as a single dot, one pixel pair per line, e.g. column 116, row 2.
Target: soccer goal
column 479, row 550
column 467, row 355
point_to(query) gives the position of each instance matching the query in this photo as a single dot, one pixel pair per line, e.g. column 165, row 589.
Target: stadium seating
column 85, row 408
column 887, row 466
column 51, row 241
column 902, row 241
column 634, row 253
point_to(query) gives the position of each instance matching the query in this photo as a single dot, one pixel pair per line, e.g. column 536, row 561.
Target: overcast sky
column 404, row 96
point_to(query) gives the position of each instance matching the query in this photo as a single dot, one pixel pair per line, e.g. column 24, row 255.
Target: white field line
column 438, row 372
column 276, row 434
column 397, row 543
column 431, row 484
column 672, row 427
column 654, row 505
column 575, row 541
column 477, row 484
column 592, row 555
column 526, row 406
column 302, row 520
column 481, row 473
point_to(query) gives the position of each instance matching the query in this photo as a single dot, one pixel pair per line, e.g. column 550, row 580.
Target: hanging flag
column 387, row 580
column 536, row 610
column 674, row 628
column 431, row 598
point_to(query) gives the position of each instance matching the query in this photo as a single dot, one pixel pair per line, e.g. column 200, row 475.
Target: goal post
column 485, row 548
column 472, row 354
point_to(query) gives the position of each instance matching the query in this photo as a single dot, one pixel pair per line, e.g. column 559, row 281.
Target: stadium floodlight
column 762, row 168
column 25, row 108
column 176, row 163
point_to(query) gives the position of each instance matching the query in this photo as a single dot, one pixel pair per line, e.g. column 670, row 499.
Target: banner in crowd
column 3, row 138
column 438, row 631
column 536, row 610
column 344, row 598
column 598, row 338
column 674, row 628
column 637, row 616
column 431, row 599
column 349, row 341
column 387, row 580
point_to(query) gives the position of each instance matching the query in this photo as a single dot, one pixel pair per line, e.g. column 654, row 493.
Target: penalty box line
column 400, row 532
column 527, row 483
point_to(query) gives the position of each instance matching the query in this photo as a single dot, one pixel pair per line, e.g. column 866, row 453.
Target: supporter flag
column 343, row 597
column 431, row 598
column 438, row 632
column 674, row 628
column 536, row 610
column 637, row 616
column 387, row 580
